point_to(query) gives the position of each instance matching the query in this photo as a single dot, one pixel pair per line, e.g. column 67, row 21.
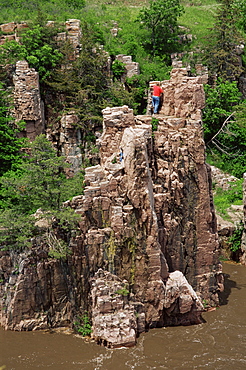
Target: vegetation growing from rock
column 236, row 239
column 83, row 325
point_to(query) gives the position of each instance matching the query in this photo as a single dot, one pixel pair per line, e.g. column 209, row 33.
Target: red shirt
column 157, row 91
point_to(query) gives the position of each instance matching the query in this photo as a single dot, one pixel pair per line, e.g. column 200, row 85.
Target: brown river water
column 219, row 343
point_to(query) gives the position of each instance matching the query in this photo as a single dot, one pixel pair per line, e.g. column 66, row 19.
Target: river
column 219, row 343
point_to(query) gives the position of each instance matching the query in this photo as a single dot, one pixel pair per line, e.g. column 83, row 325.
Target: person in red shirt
column 157, row 91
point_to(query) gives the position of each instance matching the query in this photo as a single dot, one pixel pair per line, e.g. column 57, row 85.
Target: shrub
column 236, row 238
column 83, row 326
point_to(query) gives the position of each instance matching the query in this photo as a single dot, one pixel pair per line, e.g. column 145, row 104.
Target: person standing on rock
column 157, row 91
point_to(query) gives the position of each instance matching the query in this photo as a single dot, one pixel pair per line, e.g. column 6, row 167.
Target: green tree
column 83, row 83
column 221, row 55
column 160, row 20
column 10, row 144
column 37, row 46
column 226, row 147
column 39, row 183
column 221, row 100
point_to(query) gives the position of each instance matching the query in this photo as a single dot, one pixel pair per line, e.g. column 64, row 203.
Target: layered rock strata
column 73, row 35
column 147, row 253
column 27, row 101
column 132, row 68
column 243, row 244
column 66, row 137
column 183, row 95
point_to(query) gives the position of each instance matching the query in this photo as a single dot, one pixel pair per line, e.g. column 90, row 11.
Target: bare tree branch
column 221, row 129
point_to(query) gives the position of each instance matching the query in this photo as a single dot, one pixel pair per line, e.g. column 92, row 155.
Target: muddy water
column 220, row 343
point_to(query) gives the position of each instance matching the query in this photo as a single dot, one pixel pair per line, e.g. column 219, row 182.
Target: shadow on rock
column 228, row 285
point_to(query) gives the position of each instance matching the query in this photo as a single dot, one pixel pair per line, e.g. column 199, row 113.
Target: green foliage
column 223, row 199
column 205, row 304
column 81, row 84
column 118, row 68
column 41, row 180
column 241, row 7
column 155, row 69
column 11, row 51
column 9, row 143
column 228, row 150
column 236, row 239
column 221, row 55
column 39, row 183
column 234, row 142
column 83, row 325
column 119, row 96
column 41, row 50
column 16, row 230
column 37, row 47
column 19, row 10
column 154, row 123
column 123, row 291
column 198, row 19
column 58, row 248
column 221, row 100
column 75, row 3
column 160, row 21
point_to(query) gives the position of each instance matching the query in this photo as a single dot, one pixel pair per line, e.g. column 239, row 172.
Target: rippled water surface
column 220, row 343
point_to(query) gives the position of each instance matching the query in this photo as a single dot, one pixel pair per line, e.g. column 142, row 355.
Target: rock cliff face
column 243, row 245
column 27, row 100
column 147, row 253
column 132, row 68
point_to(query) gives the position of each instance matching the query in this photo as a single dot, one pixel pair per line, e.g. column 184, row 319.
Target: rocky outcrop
column 113, row 314
column 27, row 101
column 243, row 244
column 183, row 95
column 10, row 31
column 72, row 34
column 66, row 138
column 227, row 226
column 132, row 68
column 147, row 253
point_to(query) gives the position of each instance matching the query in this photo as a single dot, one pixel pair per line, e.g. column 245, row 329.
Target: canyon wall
column 146, row 252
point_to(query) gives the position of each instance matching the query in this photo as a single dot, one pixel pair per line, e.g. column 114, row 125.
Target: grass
column 198, row 19
column 223, row 199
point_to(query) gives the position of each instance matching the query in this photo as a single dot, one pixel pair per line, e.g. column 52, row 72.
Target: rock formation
column 132, row 68
column 243, row 244
column 27, row 101
column 66, row 138
column 147, row 251
column 73, row 34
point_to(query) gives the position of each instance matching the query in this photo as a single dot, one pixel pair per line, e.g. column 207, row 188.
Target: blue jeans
column 155, row 103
